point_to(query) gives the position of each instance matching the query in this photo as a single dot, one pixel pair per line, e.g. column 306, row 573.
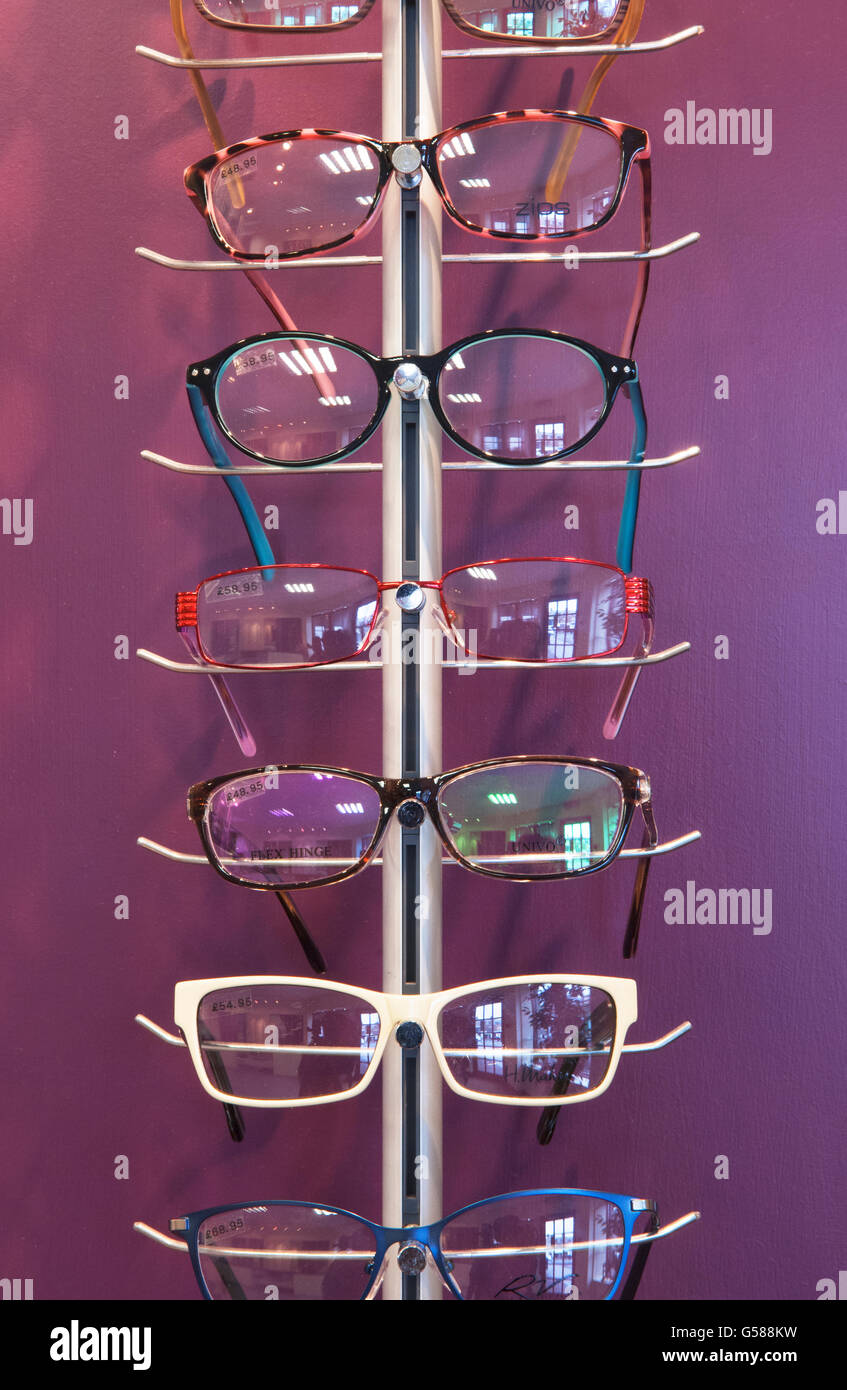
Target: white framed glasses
column 277, row 1042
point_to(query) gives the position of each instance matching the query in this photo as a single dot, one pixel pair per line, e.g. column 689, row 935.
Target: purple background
column 97, row 751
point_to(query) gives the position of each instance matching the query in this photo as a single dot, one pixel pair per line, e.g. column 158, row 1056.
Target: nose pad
column 410, row 381
column 406, row 162
column 441, row 622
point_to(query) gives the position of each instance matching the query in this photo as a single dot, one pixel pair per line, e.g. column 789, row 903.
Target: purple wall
column 98, row 751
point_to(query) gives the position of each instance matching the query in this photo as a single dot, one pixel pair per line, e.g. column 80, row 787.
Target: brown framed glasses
column 524, row 175
column 561, row 25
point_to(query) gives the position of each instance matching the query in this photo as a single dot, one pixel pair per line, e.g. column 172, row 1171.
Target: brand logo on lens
column 528, row 1286
column 538, row 4
column 292, row 852
column 543, row 209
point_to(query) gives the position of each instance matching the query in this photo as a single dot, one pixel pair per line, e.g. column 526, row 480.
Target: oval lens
column 285, row 1042
column 539, row 20
column 531, row 176
column 285, row 616
column 292, row 197
column 537, row 1246
column 296, row 400
column 537, row 610
column 538, row 1041
column 285, row 1251
column 533, row 820
column 521, row 398
column 282, row 829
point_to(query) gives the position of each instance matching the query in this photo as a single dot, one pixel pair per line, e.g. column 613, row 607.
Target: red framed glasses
column 525, row 175
column 285, row 617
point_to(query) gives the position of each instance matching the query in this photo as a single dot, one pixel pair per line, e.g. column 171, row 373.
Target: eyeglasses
column 562, row 25
column 282, row 828
column 546, row 1243
column 516, row 175
column 285, row 617
column 282, row 1041
column 303, row 826
column 516, row 396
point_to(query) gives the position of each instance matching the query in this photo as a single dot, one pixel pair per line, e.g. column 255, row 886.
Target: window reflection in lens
column 278, row 828
column 538, row 610
column 527, row 19
column 522, row 1248
column 285, row 1252
column 286, row 1042
column 529, row 1040
column 522, row 398
column 531, row 820
column 285, row 616
column 293, row 195
column 296, row 399
column 526, row 177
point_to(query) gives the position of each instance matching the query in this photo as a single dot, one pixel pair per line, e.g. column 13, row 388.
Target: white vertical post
column 411, row 520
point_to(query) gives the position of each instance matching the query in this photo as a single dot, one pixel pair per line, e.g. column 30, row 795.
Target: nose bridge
column 410, row 1008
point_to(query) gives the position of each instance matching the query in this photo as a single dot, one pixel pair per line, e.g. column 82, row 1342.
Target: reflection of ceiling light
column 322, row 776
column 299, row 588
column 334, row 400
column 503, row 798
column 475, row 183
column 364, row 202
column 457, row 361
column 328, row 359
column 458, row 146
column 480, row 572
column 466, row 398
column 350, row 808
column 281, row 811
column 351, row 160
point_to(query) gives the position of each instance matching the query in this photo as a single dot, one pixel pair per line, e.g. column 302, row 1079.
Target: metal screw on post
column 406, row 161
column 410, row 381
column 410, row 597
column 409, row 1035
column 411, row 1258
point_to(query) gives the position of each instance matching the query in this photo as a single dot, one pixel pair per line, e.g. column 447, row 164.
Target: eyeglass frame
column 185, row 1232
column 422, row 793
column 639, row 601
column 633, row 142
column 617, row 373
column 633, row 8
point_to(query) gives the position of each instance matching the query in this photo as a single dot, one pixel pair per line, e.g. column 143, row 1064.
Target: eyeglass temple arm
column 201, row 91
column 620, row 704
column 261, row 549
column 234, row 1120
column 301, row 931
column 599, row 1019
column 639, row 1264
column 629, row 511
column 650, row 838
column 237, row 723
column 558, row 174
column 218, row 138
